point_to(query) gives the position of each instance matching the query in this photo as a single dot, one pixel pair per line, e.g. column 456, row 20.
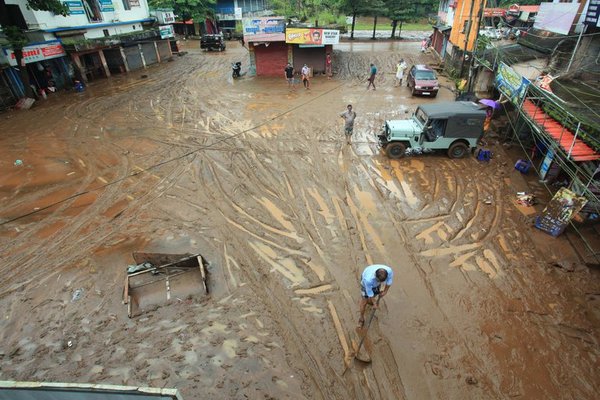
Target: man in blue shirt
column 371, row 280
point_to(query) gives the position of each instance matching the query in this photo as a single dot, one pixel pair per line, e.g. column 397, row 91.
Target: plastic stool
column 523, row 166
column 484, row 155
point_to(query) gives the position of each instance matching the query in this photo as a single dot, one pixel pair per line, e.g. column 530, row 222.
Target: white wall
column 48, row 20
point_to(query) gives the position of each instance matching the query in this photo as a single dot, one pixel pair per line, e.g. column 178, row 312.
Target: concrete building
column 230, row 12
column 98, row 38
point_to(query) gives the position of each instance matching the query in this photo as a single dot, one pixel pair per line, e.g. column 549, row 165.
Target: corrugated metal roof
column 12, row 390
column 578, row 150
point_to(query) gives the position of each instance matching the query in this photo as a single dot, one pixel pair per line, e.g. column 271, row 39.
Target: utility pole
column 472, row 63
column 469, row 23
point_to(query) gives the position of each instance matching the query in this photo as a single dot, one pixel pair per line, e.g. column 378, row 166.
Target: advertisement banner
column 75, row 7
column 312, row 36
column 38, row 52
column 106, row 6
column 592, row 16
column 510, row 83
column 561, row 209
column 166, row 31
column 546, row 164
column 268, row 29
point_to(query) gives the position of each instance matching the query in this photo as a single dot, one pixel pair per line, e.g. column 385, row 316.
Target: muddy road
column 259, row 180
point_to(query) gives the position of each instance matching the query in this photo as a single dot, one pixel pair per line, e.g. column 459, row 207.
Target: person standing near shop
column 306, row 76
column 371, row 280
column 400, row 68
column 373, row 73
column 349, row 116
column 328, row 69
column 289, row 76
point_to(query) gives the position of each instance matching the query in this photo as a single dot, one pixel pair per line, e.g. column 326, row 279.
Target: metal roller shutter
column 314, row 57
column 149, row 53
column 164, row 49
column 134, row 58
column 271, row 60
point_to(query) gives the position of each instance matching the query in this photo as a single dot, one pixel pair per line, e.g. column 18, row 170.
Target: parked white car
column 491, row 33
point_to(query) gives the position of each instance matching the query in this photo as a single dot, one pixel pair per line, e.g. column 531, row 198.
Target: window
column 92, row 10
column 105, row 31
column 466, row 26
column 126, row 5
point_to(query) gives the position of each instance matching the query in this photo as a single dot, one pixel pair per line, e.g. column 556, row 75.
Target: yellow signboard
column 314, row 36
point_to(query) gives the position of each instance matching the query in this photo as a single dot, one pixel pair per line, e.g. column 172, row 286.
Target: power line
column 161, row 163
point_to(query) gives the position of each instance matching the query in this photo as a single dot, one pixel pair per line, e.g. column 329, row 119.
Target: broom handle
column 368, row 325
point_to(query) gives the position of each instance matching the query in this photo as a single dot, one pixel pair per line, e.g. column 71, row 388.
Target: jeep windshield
column 420, row 117
column 425, row 76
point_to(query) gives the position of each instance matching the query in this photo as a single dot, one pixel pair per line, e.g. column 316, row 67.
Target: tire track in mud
column 294, row 218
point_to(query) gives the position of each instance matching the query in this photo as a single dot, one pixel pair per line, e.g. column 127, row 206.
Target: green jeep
column 453, row 126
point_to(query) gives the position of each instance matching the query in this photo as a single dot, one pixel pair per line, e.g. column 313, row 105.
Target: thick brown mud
column 259, row 180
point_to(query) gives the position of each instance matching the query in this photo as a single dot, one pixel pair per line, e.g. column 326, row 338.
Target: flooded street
column 259, row 180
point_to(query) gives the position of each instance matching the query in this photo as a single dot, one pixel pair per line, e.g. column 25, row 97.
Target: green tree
column 16, row 35
column 375, row 8
column 354, row 8
column 399, row 11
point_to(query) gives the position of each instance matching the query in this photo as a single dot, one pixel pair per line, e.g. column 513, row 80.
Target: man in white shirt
column 306, row 77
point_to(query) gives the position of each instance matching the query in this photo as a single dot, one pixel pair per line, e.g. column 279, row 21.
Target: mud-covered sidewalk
column 258, row 180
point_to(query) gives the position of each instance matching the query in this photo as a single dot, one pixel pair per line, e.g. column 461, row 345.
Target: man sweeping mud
column 371, row 280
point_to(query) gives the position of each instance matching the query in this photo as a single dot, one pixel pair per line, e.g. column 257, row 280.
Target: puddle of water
column 116, row 208
column 215, row 328
column 323, row 209
column 50, row 230
column 426, row 234
column 287, row 267
column 367, row 204
column 229, row 346
column 315, row 290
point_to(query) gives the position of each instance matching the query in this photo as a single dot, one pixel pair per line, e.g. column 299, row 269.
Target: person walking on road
column 328, row 69
column 372, row 77
column 349, row 116
column 372, row 278
column 400, row 68
column 289, row 76
column 306, row 76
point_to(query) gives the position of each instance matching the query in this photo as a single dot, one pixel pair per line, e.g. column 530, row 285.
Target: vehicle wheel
column 434, row 95
column 395, row 150
column 412, row 92
column 458, row 150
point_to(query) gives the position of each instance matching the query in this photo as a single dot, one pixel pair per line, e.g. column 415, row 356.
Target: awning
column 575, row 148
column 442, row 28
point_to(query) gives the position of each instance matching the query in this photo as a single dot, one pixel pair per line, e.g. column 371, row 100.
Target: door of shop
column 134, row 58
column 149, row 53
column 314, row 57
column 271, row 60
column 92, row 66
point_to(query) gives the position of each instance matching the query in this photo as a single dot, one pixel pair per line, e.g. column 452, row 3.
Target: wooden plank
column 126, row 290
column 203, row 273
column 129, row 307
column 164, row 266
column 340, row 331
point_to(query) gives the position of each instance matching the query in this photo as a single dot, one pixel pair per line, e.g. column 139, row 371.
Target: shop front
column 268, row 51
column 310, row 46
column 46, row 63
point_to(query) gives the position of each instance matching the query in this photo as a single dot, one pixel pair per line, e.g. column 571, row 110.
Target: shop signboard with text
column 267, row 29
column 510, row 83
column 106, row 5
column 559, row 212
column 38, row 52
column 312, row 36
column 75, row 7
column 166, row 31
